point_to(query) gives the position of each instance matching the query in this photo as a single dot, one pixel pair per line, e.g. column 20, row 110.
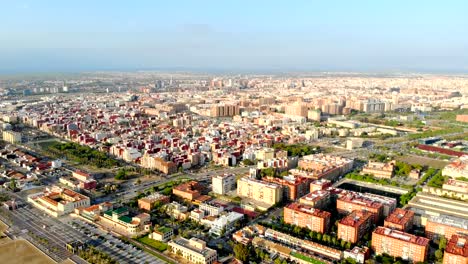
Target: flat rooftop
column 400, row 216
column 422, row 241
column 309, row 210
column 356, row 218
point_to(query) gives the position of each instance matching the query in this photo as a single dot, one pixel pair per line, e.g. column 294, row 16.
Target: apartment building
column 316, row 199
column 456, row 251
column 446, row 226
column 158, row 163
column 324, row 166
column 400, row 219
column 319, row 185
column 380, row 169
column 194, row 250
column 224, row 110
column 399, row 244
column 11, row 136
column 223, row 183
column 307, row 216
column 211, row 209
column 58, row 201
column 293, row 187
column 147, row 203
column 354, row 226
column 380, row 206
column 263, row 194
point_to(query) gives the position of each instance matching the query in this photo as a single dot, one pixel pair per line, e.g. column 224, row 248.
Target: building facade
column 307, row 216
column 194, row 250
column 224, row 183
column 354, row 226
column 399, row 244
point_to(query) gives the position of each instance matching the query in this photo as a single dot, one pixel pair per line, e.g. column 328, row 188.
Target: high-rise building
column 456, row 251
column 264, row 193
column 12, row 136
column 400, row 219
column 354, row 226
column 296, row 109
column 307, row 216
column 223, row 183
column 399, row 244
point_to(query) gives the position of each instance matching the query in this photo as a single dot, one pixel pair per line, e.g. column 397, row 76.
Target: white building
column 225, row 223
column 224, row 183
column 211, row 209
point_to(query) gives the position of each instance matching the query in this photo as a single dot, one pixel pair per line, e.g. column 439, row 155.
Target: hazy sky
column 375, row 35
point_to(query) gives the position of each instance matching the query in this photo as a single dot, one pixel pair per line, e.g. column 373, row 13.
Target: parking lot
column 117, row 249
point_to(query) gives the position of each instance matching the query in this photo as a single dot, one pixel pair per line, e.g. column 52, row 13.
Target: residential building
column 359, row 254
column 456, row 251
column 265, row 194
column 265, row 154
column 193, row 250
column 224, row 183
column 307, row 216
column 318, row 185
column 446, row 226
column 225, row 223
column 158, row 163
column 304, row 245
column 58, row 201
column 324, row 166
column 211, row 209
column 354, row 226
column 147, row 203
column 399, row 244
column 378, row 205
column 224, row 110
column 380, row 169
column 297, row 109
column 316, row 199
column 293, row 187
column 400, row 219
column 177, row 210
column 11, row 136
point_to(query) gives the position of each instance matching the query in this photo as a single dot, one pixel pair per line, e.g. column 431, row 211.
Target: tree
column 138, row 181
column 439, row 254
column 442, row 243
column 13, row 185
column 248, row 162
column 348, row 245
column 121, row 174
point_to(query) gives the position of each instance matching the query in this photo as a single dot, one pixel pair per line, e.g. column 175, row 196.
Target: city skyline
column 209, row 36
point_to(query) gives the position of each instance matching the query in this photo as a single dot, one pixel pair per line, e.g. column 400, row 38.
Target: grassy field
column 417, row 160
column 159, row 246
column 20, row 252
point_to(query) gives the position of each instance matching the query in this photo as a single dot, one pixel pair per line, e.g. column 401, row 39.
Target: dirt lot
column 20, row 252
column 411, row 159
column 4, row 240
